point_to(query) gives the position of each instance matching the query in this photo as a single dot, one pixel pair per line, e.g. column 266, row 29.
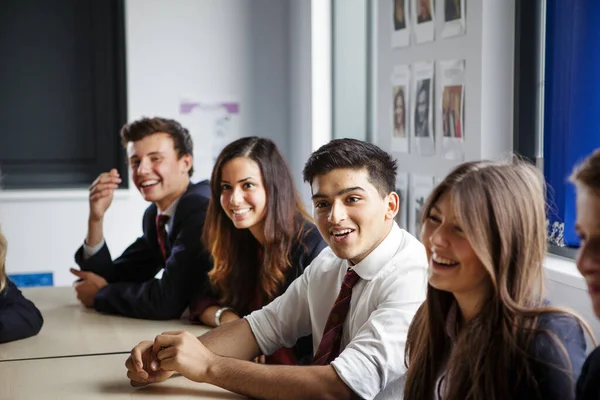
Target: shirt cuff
column 89, row 252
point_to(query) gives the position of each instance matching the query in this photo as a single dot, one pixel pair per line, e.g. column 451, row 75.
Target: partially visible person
column 422, row 109
column 357, row 299
column 486, row 330
column 399, row 15
column 399, row 113
column 160, row 153
column 260, row 237
column 586, row 178
column 423, row 11
column 19, row 317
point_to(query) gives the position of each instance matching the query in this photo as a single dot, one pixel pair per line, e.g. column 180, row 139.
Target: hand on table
column 87, row 286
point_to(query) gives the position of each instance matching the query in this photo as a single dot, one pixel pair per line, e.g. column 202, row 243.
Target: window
column 557, row 122
column 63, row 99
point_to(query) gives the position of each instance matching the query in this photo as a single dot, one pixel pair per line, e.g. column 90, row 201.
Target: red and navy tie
column 161, row 233
column 329, row 348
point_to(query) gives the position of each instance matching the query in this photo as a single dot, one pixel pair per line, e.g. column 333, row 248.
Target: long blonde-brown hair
column 500, row 207
column 235, row 251
column 3, row 247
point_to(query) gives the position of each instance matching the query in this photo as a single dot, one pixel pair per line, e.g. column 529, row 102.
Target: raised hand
column 101, row 193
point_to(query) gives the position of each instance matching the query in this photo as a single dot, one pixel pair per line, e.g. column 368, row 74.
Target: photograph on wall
column 423, row 18
column 402, row 190
column 420, row 187
column 399, row 108
column 452, row 108
column 400, row 24
column 421, row 126
column 454, row 18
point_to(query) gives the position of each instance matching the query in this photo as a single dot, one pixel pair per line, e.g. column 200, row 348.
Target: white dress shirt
column 392, row 286
column 89, row 251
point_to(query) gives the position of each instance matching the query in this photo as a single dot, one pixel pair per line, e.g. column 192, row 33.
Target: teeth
column 341, row 233
column 241, row 211
column 442, row 260
column 148, row 183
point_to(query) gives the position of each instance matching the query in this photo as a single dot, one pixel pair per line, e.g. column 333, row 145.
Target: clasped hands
column 176, row 351
column 87, row 286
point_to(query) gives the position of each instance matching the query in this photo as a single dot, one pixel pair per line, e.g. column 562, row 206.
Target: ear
column 393, row 205
column 187, row 162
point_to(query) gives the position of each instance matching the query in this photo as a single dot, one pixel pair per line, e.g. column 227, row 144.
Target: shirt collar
column 171, row 209
column 381, row 256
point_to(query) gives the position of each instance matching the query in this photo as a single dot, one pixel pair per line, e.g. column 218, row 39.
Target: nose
column 337, row 213
column 236, row 197
column 588, row 260
column 438, row 238
column 143, row 167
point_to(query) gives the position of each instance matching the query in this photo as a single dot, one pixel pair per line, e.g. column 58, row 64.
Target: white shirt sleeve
column 375, row 355
column 284, row 320
column 88, row 251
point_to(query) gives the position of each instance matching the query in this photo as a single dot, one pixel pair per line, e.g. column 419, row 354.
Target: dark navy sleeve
column 139, row 262
column 183, row 280
column 19, row 317
column 555, row 371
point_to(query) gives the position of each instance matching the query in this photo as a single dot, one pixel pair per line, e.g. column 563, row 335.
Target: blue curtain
column 571, row 102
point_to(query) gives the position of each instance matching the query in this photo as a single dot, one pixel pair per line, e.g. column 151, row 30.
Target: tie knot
column 351, row 278
column 162, row 220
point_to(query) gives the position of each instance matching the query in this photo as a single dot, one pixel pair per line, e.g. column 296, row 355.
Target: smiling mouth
column 147, row 184
column 342, row 233
column 446, row 262
column 241, row 211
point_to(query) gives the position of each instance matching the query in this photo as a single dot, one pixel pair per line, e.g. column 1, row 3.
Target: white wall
column 251, row 50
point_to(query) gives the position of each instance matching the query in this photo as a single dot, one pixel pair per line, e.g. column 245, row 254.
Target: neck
column 164, row 203
column 258, row 231
column 469, row 304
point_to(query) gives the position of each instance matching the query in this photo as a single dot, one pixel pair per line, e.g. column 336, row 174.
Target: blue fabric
column 572, row 100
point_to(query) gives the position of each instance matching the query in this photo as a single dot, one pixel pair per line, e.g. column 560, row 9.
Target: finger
column 79, row 273
column 137, row 354
column 104, row 186
column 172, row 333
column 167, row 352
column 114, row 172
column 165, row 340
column 136, row 380
column 101, row 195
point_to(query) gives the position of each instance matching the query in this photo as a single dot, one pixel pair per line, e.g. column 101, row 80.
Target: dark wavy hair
column 137, row 130
column 235, row 251
column 354, row 154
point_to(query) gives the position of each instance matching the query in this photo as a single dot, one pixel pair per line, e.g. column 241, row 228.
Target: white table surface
column 71, row 329
column 92, row 377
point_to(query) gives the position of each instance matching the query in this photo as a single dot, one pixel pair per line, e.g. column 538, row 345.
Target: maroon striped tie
column 161, row 233
column 329, row 348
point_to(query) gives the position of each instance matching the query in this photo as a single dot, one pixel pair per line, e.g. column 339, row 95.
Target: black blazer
column 588, row 385
column 549, row 360
column 132, row 290
column 19, row 317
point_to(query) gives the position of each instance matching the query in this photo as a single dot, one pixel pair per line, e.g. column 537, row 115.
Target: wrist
column 219, row 320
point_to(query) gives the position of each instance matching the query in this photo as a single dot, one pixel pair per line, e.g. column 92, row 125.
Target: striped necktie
column 329, row 348
column 161, row 233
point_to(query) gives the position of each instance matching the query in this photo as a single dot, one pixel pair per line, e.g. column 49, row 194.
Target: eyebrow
column 241, row 180
column 341, row 192
column 154, row 153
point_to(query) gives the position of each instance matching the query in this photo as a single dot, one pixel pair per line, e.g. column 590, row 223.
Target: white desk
column 71, row 329
column 92, row 377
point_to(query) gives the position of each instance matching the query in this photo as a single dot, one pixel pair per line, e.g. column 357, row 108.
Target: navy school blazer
column 19, row 317
column 132, row 289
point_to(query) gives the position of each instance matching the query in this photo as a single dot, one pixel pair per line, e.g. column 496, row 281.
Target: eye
column 225, row 186
column 135, row 163
column 321, row 204
column 353, row 199
column 457, row 229
column 248, row 185
column 434, row 218
column 155, row 159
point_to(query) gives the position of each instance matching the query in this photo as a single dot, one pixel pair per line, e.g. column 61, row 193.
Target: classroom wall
column 254, row 51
